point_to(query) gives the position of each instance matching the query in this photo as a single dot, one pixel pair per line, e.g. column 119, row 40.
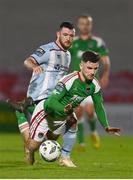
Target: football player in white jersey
column 49, row 63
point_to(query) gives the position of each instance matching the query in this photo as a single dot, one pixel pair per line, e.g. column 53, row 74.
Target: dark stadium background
column 24, row 25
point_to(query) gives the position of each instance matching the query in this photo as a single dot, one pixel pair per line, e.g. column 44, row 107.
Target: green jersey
column 79, row 46
column 71, row 89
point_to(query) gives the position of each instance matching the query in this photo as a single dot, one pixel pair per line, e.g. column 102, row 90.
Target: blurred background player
column 49, row 63
column 87, row 41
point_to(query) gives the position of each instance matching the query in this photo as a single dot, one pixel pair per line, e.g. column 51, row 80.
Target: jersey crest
column 60, row 87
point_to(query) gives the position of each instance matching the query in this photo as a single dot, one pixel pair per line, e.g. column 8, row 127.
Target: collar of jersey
column 60, row 47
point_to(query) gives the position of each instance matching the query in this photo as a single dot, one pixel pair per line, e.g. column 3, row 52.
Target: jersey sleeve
column 96, row 84
column 99, row 108
column 53, row 102
column 41, row 55
column 102, row 49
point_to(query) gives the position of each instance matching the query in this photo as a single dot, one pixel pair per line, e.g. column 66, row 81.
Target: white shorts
column 87, row 100
column 38, row 123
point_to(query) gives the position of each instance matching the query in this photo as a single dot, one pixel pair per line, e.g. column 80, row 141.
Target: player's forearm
column 101, row 115
column 100, row 110
column 106, row 65
column 30, row 63
column 53, row 103
column 54, row 106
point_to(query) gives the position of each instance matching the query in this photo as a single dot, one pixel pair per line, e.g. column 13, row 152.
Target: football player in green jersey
column 56, row 115
column 87, row 41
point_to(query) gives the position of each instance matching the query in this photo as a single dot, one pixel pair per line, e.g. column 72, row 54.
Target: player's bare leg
column 24, row 130
column 89, row 108
column 25, row 136
column 32, row 146
column 27, row 153
column 20, row 108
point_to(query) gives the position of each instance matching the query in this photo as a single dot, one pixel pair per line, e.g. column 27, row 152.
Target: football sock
column 22, row 121
column 92, row 124
column 80, row 133
column 69, row 139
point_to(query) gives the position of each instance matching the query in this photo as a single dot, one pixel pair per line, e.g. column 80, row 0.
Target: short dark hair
column 86, row 16
column 90, row 56
column 68, row 25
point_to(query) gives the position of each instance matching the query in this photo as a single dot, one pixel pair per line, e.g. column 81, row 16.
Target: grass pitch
column 113, row 160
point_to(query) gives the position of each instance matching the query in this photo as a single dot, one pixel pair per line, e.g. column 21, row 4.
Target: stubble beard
column 62, row 44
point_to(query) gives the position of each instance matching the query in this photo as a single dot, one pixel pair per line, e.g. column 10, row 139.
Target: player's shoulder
column 47, row 46
column 98, row 39
column 69, row 79
column 76, row 39
column 96, row 85
column 75, row 42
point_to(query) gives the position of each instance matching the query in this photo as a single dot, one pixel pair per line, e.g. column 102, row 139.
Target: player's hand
column 71, row 121
column 38, row 69
column 68, row 108
column 113, row 130
column 104, row 81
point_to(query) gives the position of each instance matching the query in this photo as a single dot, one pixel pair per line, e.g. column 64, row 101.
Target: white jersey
column 55, row 63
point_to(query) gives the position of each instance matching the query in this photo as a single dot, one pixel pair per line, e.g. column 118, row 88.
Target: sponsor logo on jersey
column 57, row 66
column 58, row 56
column 77, row 99
column 60, row 67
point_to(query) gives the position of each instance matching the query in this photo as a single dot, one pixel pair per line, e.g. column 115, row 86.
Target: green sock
column 20, row 117
column 30, row 109
column 92, row 124
column 80, row 133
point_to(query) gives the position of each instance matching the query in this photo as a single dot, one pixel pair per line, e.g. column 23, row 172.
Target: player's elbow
column 106, row 61
column 25, row 62
column 30, row 63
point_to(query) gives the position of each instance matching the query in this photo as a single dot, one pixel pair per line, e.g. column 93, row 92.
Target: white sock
column 69, row 139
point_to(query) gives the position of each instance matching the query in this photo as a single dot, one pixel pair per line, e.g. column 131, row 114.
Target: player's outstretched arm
column 101, row 114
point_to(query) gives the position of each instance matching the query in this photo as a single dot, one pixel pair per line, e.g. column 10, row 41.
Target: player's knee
column 90, row 111
column 74, row 126
column 91, row 115
column 79, row 112
column 25, row 135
